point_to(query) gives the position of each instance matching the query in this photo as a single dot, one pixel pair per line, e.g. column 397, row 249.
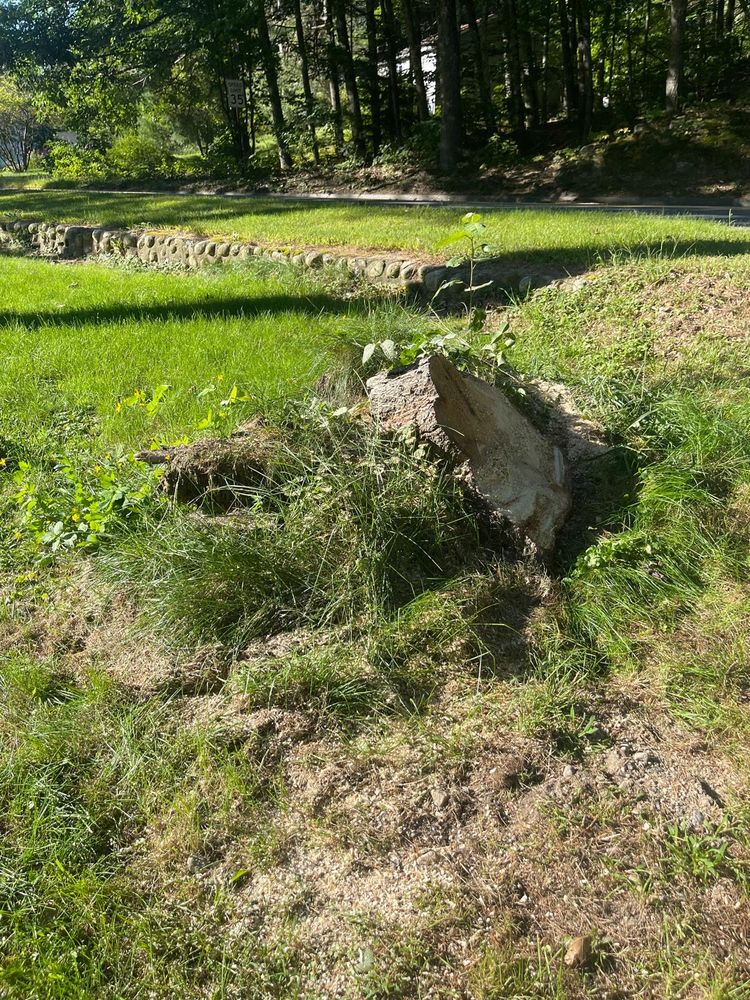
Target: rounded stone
column 433, row 278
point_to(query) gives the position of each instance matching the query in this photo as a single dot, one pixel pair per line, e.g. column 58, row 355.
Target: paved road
column 729, row 213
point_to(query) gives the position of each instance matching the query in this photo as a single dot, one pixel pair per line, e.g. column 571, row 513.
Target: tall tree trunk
column 483, row 78
column 587, row 78
column 414, row 36
column 601, row 65
column 646, row 40
column 729, row 20
column 516, row 109
column 350, row 78
column 372, row 75
column 334, row 93
column 451, row 126
column 305, row 73
column 613, row 49
column 274, row 96
column 677, row 19
column 389, row 26
column 530, row 77
column 568, row 60
column 631, row 65
column 545, row 61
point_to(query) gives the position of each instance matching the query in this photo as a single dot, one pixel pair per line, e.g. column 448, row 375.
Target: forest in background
column 149, row 88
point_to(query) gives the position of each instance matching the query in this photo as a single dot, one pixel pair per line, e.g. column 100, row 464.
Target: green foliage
column 130, row 157
column 78, row 507
column 134, row 157
column 361, row 528
column 705, row 856
column 68, row 162
column 21, row 125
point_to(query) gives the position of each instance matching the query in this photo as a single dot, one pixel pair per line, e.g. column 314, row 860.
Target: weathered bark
column 483, row 78
column 677, row 19
column 568, row 60
column 414, row 35
column 451, row 126
column 516, row 109
column 545, row 61
column 646, row 40
column 350, row 77
column 729, row 22
column 274, row 97
column 305, row 73
column 389, row 26
column 334, row 93
column 372, row 75
column 587, row 79
column 529, row 75
column 613, row 47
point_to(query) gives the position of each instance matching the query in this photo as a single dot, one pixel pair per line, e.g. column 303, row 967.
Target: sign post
column 236, row 94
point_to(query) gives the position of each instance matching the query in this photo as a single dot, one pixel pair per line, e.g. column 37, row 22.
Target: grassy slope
column 77, row 339
column 403, row 823
column 534, row 237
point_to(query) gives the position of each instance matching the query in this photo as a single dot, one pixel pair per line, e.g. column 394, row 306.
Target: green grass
column 373, row 612
column 568, row 239
column 77, row 340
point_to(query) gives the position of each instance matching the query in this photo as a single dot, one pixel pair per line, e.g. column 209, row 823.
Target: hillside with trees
column 181, row 88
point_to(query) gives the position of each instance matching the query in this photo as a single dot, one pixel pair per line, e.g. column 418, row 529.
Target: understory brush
column 360, row 531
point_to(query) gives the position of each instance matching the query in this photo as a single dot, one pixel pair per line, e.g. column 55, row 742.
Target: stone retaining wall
column 71, row 242
column 417, row 278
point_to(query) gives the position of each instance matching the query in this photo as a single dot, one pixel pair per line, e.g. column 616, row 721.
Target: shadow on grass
column 235, row 307
column 575, row 259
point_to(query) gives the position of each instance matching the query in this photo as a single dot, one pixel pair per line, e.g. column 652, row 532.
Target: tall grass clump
column 363, row 528
column 677, row 536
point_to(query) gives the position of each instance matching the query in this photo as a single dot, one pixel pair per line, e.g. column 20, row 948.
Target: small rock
column 440, row 797
column 696, row 819
column 579, row 952
column 613, row 764
column 568, row 771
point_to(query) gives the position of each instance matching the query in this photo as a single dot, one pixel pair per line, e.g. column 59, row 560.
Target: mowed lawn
column 76, row 338
column 530, row 237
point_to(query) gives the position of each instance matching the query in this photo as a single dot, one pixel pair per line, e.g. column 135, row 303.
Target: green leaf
column 388, row 347
column 368, row 353
column 458, row 237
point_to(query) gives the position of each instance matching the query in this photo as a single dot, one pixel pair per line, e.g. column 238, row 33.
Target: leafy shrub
column 78, row 506
column 69, row 162
column 133, row 156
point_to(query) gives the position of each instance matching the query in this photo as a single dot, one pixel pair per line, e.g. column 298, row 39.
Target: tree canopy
column 355, row 79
